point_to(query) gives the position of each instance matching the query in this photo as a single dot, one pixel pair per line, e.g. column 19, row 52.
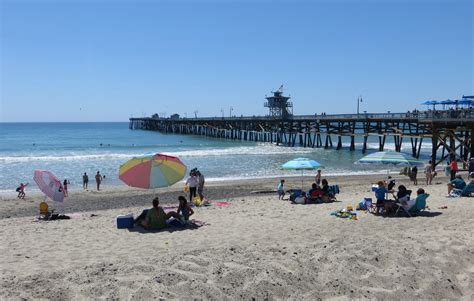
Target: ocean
column 70, row 149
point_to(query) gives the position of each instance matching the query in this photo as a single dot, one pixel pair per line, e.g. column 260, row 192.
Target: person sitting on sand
column 183, row 208
column 327, row 194
column 281, row 189
column 403, row 192
column 382, row 202
column 456, row 183
column 156, row 217
column 315, row 194
column 300, row 199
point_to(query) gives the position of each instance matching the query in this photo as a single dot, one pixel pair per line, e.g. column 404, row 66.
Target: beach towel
column 222, row 204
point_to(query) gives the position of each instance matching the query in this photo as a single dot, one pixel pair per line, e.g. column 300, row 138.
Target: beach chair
column 294, row 193
column 43, row 208
column 369, row 205
column 45, row 214
column 333, row 190
column 466, row 191
column 420, row 205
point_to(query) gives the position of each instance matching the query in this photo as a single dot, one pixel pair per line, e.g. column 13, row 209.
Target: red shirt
column 454, row 165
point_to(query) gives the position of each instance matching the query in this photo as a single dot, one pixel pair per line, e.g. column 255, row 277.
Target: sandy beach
column 255, row 248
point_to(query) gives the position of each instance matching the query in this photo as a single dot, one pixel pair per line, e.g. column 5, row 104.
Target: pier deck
column 451, row 132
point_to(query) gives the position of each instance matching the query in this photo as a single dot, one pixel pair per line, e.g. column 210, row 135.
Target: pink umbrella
column 49, row 185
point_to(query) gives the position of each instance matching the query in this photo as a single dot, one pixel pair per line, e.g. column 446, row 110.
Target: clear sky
column 109, row 60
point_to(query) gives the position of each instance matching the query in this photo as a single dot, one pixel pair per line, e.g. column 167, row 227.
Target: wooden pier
column 451, row 132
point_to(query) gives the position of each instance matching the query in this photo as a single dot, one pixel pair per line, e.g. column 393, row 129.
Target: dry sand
column 258, row 247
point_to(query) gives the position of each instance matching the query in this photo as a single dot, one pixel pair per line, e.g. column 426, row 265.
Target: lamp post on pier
column 230, row 113
column 359, row 100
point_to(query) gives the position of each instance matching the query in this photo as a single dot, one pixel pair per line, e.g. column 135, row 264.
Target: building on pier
column 279, row 106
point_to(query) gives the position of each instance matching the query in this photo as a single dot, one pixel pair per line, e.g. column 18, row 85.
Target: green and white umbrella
column 390, row 158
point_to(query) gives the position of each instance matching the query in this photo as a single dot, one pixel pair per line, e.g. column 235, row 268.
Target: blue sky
column 109, row 60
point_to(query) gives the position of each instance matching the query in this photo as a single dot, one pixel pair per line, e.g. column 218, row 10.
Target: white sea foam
column 245, row 150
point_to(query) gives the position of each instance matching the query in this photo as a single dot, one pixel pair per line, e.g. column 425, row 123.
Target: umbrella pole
column 302, row 178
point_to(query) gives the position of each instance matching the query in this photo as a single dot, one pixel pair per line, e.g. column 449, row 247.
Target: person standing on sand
column 85, row 181
column 98, row 180
column 200, row 187
column 192, row 183
column 317, row 179
column 429, row 173
column 281, row 189
column 454, row 168
column 414, row 172
column 65, row 187
column 471, row 166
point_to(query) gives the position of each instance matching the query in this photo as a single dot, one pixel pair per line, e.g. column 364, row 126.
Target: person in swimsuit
column 183, row 209
column 85, row 181
column 156, row 217
column 98, row 180
column 65, row 187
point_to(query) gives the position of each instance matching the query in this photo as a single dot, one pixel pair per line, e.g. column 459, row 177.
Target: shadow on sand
column 138, row 229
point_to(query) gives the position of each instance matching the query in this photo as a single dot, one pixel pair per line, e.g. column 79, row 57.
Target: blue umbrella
column 467, row 102
column 430, row 103
column 302, row 164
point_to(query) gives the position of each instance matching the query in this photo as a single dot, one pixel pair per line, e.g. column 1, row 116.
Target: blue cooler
column 125, row 221
column 375, row 187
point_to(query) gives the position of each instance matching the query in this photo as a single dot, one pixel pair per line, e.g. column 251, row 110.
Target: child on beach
column 183, row 208
column 21, row 190
column 382, row 202
column 317, row 179
column 281, row 190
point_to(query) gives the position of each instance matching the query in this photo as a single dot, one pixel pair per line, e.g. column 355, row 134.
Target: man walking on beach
column 85, row 181
column 98, row 180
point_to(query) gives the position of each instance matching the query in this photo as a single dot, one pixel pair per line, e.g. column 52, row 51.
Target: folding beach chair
column 369, row 205
column 333, row 190
column 466, row 191
column 294, row 193
column 420, row 205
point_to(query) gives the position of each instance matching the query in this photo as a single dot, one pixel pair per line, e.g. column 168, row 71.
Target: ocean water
column 70, row 149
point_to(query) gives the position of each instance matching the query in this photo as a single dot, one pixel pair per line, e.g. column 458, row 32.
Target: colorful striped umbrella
column 390, row 157
column 152, row 171
column 49, row 185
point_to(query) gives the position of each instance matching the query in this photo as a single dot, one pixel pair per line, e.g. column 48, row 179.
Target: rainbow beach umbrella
column 152, row 171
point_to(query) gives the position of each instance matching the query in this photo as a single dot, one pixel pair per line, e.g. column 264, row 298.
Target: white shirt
column 192, row 181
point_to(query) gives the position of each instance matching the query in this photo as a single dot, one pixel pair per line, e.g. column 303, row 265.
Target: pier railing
column 462, row 115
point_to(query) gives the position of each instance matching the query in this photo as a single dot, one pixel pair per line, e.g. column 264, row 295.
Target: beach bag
column 196, row 201
column 185, row 188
